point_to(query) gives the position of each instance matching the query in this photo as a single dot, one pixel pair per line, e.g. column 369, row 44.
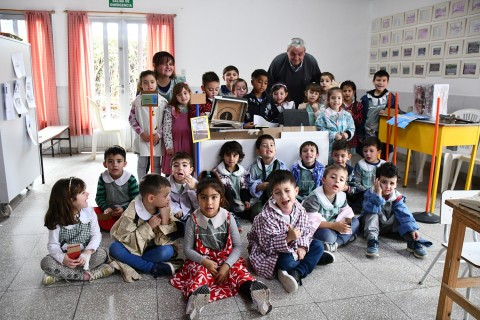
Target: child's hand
column 71, row 263
column 117, row 212
column 247, row 205
column 192, row 184
column 155, row 221
column 222, row 274
column 343, row 227
column 293, row 233
column 415, row 235
column 249, row 125
column 145, row 136
column 156, row 139
column 377, row 186
column 165, row 215
column 315, row 107
column 179, row 214
column 211, row 266
column 301, row 253
column 170, row 152
column 338, row 136
column 344, row 135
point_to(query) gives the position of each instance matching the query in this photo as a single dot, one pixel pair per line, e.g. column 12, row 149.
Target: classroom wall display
column 423, row 41
column 394, row 69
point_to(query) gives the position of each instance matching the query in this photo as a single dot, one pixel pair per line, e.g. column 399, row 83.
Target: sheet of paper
column 30, row 128
column 261, row 122
column 405, row 119
column 29, row 92
column 8, row 98
column 17, row 98
column 18, row 64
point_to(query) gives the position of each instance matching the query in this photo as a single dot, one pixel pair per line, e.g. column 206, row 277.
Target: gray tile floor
column 354, row 287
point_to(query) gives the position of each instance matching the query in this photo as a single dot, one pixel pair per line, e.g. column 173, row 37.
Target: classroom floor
column 354, row 287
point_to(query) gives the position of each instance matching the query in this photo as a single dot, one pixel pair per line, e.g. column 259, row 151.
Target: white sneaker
column 198, row 299
column 287, row 281
column 260, row 294
column 330, row 247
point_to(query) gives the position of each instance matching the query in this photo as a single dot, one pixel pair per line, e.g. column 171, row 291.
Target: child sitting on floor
column 308, row 172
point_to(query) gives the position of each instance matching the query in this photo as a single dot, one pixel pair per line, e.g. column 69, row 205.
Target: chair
column 102, row 128
column 471, row 250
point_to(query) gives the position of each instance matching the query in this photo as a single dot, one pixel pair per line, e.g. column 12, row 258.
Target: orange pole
column 434, row 152
column 387, row 150
column 395, row 128
column 150, row 116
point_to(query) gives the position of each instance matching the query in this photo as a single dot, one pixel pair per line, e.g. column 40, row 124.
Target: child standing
column 240, row 88
column 69, row 221
column 259, row 102
column 210, row 86
column 280, row 97
column 328, row 203
column 177, row 133
column 230, row 75
column 140, row 121
column 115, row 189
column 260, row 171
column 279, row 240
column 312, row 104
column 214, row 269
column 350, row 104
column 164, row 68
column 326, row 82
column 140, row 235
column 335, row 120
column 308, row 172
column 384, row 210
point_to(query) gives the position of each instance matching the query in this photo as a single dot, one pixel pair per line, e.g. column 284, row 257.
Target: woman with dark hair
column 164, row 68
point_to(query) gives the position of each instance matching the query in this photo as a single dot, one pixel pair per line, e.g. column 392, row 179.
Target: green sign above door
column 120, row 3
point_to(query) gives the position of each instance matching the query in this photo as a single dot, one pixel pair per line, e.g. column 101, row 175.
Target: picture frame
column 410, row 18
column 453, row 49
column 383, row 66
column 398, row 20
column 419, row 69
column 458, row 8
column 396, row 53
column 373, row 55
column 435, row 68
column 455, row 28
column 374, row 40
column 394, row 69
column 423, row 33
column 376, row 25
column 440, row 11
column 386, row 23
column 383, row 54
column 200, row 129
column 473, row 26
column 385, row 39
column 470, row 69
column 421, row 52
column 451, row 68
column 474, row 7
column 396, row 37
column 425, row 15
column 436, row 50
column 406, row 69
column 407, row 52
column 409, row 35
column 471, row 47
column 372, row 68
column 438, row 31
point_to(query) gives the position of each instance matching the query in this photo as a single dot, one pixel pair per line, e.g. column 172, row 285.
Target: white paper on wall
column 10, row 113
column 30, row 130
column 18, row 64
column 29, row 93
column 17, row 98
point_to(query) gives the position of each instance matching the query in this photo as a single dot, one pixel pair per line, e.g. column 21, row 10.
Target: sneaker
column 197, row 300
column 103, row 271
column 326, row 258
column 353, row 238
column 288, row 282
column 417, row 249
column 330, row 247
column 372, row 248
column 261, row 297
column 162, row 269
column 48, row 279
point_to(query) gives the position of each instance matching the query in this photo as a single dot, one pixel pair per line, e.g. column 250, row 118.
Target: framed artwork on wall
column 438, row 31
column 421, row 51
column 394, row 69
column 451, row 69
column 374, row 40
column 407, row 52
column 458, row 8
column 376, row 25
column 425, row 15
column 419, row 69
column 382, row 66
column 398, row 20
column 435, row 68
column 383, row 54
column 395, row 53
column 436, row 50
column 423, row 33
column 471, row 47
column 440, row 11
column 373, row 55
column 396, row 37
column 387, row 23
column 410, row 18
column 456, row 28
column 453, row 49
column 470, row 69
column 474, row 7
column 409, row 35
column 473, row 26
column 406, row 69
column 372, row 68
column 385, row 39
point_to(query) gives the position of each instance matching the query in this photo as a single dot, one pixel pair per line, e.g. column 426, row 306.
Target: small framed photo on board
column 438, row 31
column 395, row 53
column 435, row 68
column 383, row 67
column 410, row 18
column 409, row 35
column 419, row 69
column 406, row 69
column 423, row 33
column 407, row 52
column 425, row 15
column 451, row 69
column 456, row 28
column 421, row 52
column 471, row 47
column 474, row 7
column 374, row 40
column 372, row 68
column 436, row 50
column 473, row 26
column 396, row 37
column 458, row 8
column 398, row 20
column 383, row 54
column 440, row 11
column 394, row 69
column 373, row 55
column 387, row 23
column 376, row 25
column 470, row 69
column 453, row 49
column 385, row 39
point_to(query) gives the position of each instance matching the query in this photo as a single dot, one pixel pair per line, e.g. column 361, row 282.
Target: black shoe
column 296, row 275
column 162, row 269
column 326, row 258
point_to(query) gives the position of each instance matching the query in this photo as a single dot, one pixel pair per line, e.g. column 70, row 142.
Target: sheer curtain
column 39, row 30
column 79, row 87
column 159, row 35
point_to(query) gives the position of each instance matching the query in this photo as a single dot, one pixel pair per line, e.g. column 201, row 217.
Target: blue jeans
column 332, row 236
column 286, row 262
column 144, row 263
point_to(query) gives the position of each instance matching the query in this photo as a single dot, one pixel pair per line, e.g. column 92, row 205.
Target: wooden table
column 52, row 134
column 418, row 136
column 462, row 217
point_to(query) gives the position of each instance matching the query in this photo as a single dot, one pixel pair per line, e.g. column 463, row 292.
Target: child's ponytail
column 210, row 179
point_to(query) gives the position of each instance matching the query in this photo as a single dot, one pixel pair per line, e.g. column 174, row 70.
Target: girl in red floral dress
column 214, row 269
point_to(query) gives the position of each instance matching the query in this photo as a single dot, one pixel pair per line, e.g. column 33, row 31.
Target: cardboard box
column 228, row 112
column 73, row 251
column 425, row 99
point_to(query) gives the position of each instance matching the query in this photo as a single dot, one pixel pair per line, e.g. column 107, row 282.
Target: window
column 14, row 24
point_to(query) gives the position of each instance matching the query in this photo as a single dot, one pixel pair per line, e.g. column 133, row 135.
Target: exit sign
column 121, row 3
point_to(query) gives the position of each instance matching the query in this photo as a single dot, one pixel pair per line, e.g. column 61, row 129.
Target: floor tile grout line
column 78, row 301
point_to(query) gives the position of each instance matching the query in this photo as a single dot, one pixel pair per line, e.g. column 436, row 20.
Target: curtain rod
column 120, row 12
column 23, row 11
